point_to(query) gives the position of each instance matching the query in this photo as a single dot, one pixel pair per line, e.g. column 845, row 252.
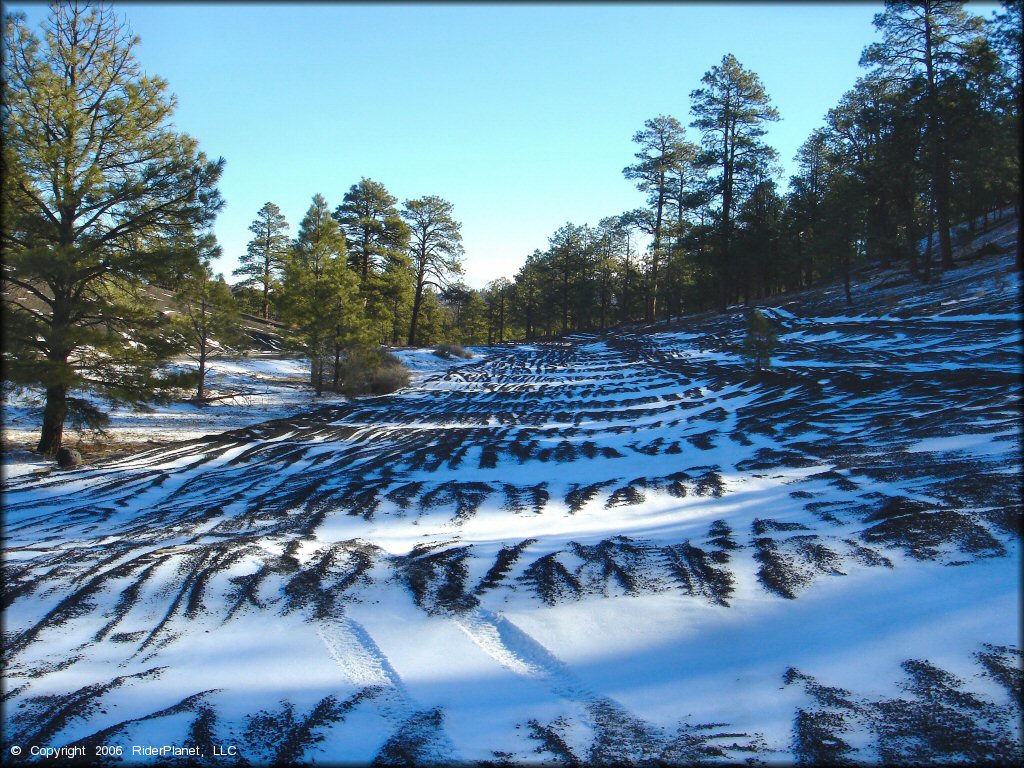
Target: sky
column 521, row 115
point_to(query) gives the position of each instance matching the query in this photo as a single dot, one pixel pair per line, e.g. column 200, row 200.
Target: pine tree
column 435, row 249
column 372, row 225
column 320, row 296
column 264, row 259
column 209, row 318
column 731, row 111
column 96, row 184
column 928, row 39
column 377, row 238
column 659, row 167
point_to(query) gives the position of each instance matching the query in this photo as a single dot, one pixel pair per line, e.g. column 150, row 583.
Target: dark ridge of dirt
column 282, row 738
column 815, row 739
column 578, row 496
column 763, row 526
column 922, row 531
column 488, row 457
column 709, row 483
column 835, row 479
column 720, row 534
column 414, row 741
column 403, row 495
column 466, row 497
column 705, row 441
column 700, row 573
column 867, row 555
column 41, row 718
column 616, row 560
column 552, row 741
column 1004, row 665
column 652, row 448
column 522, row 499
column 503, row 563
column 79, row 602
column 674, row 483
column 551, row 580
column 1009, row 519
column 943, row 723
column 773, row 458
column 332, row 571
column 628, row 495
column 789, row 565
column 194, row 703
column 939, row 722
column 202, row 734
column 437, row 579
column 619, row 738
column 622, row 565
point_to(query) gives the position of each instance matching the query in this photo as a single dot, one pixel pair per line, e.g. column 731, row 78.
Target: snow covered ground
column 614, row 548
column 245, row 390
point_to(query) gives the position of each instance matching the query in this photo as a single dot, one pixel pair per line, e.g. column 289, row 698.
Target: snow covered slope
column 614, row 548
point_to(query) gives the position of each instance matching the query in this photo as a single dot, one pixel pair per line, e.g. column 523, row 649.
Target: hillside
column 617, row 547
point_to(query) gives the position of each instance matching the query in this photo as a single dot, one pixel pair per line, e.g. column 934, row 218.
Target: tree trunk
column 940, row 166
column 201, row 389
column 54, row 413
column 846, row 279
column 928, row 246
column 416, row 301
column 726, row 224
column 908, row 215
column 656, row 253
column 942, row 213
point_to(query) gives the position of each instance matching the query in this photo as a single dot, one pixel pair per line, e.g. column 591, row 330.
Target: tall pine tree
column 435, row 249
column 96, row 186
column 264, row 259
column 320, row 295
column 658, row 167
column 929, row 39
column 731, row 111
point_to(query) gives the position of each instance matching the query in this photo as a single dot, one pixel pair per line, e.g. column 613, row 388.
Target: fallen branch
column 207, row 400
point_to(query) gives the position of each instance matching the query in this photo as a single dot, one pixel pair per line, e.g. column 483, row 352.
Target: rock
column 68, row 457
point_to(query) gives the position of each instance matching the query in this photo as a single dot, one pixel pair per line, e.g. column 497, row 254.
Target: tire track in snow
column 362, row 661
column 612, row 733
column 517, row 651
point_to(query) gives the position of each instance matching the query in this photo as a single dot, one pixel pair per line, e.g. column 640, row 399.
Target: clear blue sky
column 521, row 115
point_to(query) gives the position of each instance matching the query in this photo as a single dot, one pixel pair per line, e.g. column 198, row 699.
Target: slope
column 617, row 548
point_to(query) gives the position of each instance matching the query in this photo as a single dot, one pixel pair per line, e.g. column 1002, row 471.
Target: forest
column 102, row 198
column 925, row 140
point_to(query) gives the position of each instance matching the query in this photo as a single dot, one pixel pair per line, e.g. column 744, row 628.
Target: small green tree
column 209, row 316
column 759, row 343
column 320, row 296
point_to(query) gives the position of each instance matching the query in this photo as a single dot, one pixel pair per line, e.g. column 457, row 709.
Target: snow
column 342, row 553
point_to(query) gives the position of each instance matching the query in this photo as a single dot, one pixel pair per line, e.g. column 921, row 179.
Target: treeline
column 362, row 275
column 377, row 270
column 927, row 139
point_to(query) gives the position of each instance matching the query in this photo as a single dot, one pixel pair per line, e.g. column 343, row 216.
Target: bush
column 447, row 351
column 371, row 372
column 760, row 341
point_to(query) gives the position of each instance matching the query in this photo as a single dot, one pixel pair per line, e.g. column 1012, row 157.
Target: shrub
column 371, row 372
column 447, row 351
column 760, row 341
